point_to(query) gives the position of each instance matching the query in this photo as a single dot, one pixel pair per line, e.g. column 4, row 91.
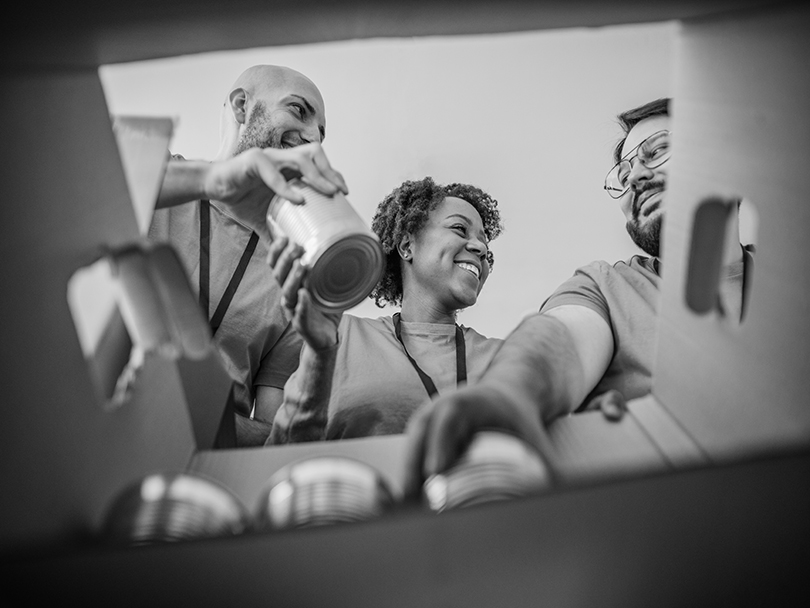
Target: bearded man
column 213, row 214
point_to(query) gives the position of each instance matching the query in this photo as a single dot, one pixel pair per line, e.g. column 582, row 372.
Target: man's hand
column 611, row 403
column 441, row 430
column 246, row 183
column 317, row 328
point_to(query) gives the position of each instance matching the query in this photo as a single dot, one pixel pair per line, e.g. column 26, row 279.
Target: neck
column 418, row 310
column 226, row 149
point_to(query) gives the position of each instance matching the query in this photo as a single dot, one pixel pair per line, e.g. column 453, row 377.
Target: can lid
column 346, row 272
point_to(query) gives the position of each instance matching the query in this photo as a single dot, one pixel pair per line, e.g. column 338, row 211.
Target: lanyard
column 205, row 260
column 461, row 358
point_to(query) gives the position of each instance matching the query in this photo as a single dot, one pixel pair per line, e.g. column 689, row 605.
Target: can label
column 343, row 254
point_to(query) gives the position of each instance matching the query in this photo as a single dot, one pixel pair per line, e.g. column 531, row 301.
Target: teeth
column 469, row 268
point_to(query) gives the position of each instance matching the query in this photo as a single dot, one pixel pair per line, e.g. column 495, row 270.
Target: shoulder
column 473, row 334
column 632, row 265
column 638, row 263
column 354, row 325
column 638, row 268
column 173, row 221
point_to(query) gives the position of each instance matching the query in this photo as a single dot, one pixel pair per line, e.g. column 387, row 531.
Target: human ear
column 404, row 247
column 237, row 101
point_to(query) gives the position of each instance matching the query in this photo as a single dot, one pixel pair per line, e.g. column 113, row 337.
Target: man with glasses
column 592, row 343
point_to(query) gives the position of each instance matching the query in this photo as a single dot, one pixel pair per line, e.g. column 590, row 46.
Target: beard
column 648, row 237
column 259, row 131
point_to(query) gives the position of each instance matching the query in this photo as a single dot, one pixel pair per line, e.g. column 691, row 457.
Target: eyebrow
column 312, row 111
column 460, row 216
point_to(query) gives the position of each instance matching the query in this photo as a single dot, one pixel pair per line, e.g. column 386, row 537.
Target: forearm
column 183, row 182
column 251, row 433
column 538, row 367
column 304, row 414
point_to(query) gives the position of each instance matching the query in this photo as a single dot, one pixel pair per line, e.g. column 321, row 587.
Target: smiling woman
column 356, row 376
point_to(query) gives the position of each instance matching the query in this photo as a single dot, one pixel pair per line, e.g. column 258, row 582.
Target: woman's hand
column 317, row 328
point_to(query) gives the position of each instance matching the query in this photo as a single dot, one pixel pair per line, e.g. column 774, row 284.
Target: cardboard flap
column 589, row 447
column 143, row 144
column 207, row 389
column 740, row 129
column 157, row 301
column 164, row 317
column 678, row 448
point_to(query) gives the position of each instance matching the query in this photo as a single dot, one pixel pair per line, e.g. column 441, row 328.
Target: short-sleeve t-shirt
column 257, row 344
column 625, row 295
column 375, row 389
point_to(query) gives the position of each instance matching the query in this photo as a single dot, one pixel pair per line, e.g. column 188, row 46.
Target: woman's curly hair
column 406, row 210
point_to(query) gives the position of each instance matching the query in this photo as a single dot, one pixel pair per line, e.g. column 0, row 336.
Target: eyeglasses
column 651, row 153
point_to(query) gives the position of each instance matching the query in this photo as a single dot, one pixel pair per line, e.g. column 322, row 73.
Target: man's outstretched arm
column 544, row 369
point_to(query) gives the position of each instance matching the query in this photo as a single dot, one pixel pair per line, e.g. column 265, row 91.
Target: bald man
column 213, row 213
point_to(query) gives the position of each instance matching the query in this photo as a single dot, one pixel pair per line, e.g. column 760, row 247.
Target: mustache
column 646, row 187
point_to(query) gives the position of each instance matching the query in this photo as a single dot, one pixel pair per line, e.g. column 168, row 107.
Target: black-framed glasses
column 652, row 152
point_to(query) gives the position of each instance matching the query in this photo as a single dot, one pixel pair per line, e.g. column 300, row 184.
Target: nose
column 478, row 247
column 310, row 133
column 638, row 175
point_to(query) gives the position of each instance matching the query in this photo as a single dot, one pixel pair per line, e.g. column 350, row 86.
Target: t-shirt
column 258, row 345
column 626, row 295
column 375, row 389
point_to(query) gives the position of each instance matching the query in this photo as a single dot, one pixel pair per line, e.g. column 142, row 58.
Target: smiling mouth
column 471, row 268
column 641, row 209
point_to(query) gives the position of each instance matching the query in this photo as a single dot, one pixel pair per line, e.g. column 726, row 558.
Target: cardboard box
column 644, row 519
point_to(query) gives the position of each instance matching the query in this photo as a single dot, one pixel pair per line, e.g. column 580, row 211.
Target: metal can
column 322, row 490
column 166, row 507
column 496, row 466
column 344, row 256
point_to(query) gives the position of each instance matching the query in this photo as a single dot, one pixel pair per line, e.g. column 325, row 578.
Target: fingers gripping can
column 344, row 257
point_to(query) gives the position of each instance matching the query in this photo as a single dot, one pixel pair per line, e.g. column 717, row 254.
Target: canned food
column 322, row 490
column 166, row 507
column 344, row 256
column 495, row 466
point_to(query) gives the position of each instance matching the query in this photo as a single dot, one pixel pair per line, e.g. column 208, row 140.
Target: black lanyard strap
column 427, row 381
column 205, row 266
